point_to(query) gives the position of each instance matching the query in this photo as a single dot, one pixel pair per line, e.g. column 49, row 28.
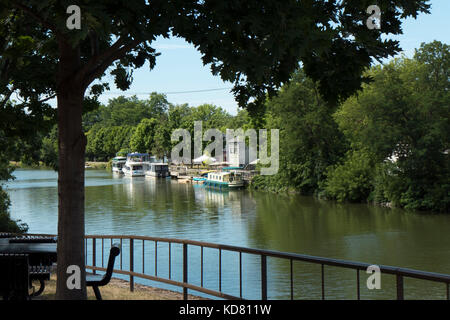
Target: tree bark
column 71, row 146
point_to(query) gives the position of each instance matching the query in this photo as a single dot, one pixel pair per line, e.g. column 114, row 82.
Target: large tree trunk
column 71, row 145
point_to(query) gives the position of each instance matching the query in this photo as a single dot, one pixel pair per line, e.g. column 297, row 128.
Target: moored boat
column 226, row 179
column 136, row 164
column 118, row 164
column 157, row 169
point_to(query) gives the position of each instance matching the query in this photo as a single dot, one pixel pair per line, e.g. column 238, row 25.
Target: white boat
column 157, row 169
column 136, row 164
column 225, row 179
column 118, row 164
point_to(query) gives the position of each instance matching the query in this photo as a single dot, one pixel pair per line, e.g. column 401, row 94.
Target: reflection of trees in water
column 214, row 199
column 357, row 232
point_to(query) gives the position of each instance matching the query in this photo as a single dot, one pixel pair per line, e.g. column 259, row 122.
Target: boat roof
column 134, row 163
column 221, row 173
column 232, row 168
column 136, row 154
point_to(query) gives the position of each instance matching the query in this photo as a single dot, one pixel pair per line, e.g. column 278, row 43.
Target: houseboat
column 118, row 164
column 225, row 179
column 136, row 164
column 157, row 169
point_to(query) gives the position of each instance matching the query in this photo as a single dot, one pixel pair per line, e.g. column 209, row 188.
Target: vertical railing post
column 448, row 291
column 156, row 258
column 170, row 260
column 240, row 274
column 400, row 287
column 103, row 251
column 185, row 270
column 201, row 266
column 94, row 253
column 323, row 282
column 220, row 270
column 121, row 246
column 292, row 279
column 131, row 264
column 263, row 277
column 358, row 286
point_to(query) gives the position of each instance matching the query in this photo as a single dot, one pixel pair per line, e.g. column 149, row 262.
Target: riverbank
column 97, row 165
column 20, row 165
column 119, row 289
column 89, row 165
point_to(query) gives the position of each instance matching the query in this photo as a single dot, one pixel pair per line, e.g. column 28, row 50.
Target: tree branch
column 30, row 12
column 48, row 98
column 91, row 75
column 6, row 99
column 95, row 60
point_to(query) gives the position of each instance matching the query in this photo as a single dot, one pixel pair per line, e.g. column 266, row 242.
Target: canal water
column 117, row 205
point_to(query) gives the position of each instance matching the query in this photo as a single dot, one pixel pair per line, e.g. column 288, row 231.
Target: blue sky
column 179, row 67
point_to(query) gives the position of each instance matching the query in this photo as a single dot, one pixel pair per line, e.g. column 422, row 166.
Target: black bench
column 96, row 280
column 40, row 269
column 4, row 235
column 40, row 273
column 32, row 239
column 14, row 276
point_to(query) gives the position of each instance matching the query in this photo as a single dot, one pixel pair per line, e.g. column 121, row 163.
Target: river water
column 165, row 208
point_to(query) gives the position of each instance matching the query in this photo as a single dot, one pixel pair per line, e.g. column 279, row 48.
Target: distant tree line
column 127, row 125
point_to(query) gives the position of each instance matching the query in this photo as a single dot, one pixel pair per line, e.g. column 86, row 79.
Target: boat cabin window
column 137, row 167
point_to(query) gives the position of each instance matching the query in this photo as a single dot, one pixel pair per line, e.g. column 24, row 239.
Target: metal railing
column 399, row 273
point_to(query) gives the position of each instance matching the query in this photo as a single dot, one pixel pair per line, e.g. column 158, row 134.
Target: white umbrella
column 204, row 159
column 224, row 163
column 254, row 161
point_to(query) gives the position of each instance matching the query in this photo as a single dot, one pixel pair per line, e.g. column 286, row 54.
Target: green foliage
column 387, row 144
column 123, row 152
column 162, row 144
column 105, row 142
column 143, row 138
column 309, row 137
column 404, row 114
column 6, row 223
column 352, row 179
column 49, row 149
column 212, row 117
column 127, row 111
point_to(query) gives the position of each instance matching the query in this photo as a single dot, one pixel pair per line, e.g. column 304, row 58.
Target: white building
column 238, row 153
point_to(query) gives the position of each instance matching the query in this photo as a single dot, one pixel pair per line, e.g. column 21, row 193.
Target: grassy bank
column 118, row 289
column 97, row 165
column 41, row 165
column 21, row 165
